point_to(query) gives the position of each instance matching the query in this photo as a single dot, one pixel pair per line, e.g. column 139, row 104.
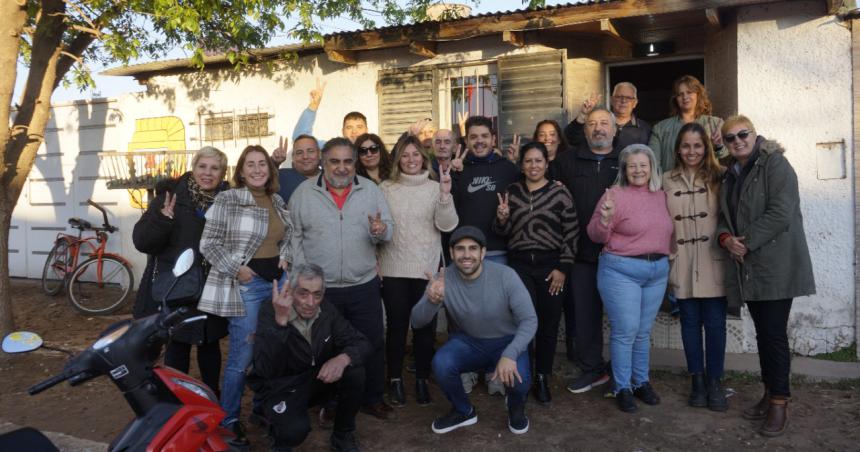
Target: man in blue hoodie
column 479, row 176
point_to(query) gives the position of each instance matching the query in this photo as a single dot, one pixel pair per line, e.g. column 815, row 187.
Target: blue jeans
column 632, row 290
column 241, row 330
column 464, row 353
column 710, row 314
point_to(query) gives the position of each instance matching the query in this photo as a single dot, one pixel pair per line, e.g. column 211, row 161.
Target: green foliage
column 148, row 29
column 845, row 355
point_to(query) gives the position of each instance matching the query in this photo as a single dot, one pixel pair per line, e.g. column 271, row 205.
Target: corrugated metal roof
column 185, row 63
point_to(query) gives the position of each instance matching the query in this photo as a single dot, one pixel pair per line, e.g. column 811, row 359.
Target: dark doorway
column 654, row 83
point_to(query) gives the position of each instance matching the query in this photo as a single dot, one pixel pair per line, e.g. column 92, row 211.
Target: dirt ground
column 823, row 416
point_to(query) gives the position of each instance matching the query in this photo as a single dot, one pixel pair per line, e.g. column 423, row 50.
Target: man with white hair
column 631, row 130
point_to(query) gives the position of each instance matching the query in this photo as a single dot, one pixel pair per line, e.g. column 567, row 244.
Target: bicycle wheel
column 55, row 272
column 94, row 295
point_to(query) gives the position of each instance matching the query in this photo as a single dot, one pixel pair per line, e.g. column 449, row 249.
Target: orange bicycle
column 99, row 285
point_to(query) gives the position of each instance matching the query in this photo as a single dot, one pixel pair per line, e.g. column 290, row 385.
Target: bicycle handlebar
column 107, row 225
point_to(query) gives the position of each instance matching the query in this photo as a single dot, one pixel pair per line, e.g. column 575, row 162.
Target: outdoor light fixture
column 651, row 49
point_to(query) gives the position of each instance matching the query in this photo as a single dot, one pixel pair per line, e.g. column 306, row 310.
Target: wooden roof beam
column 514, row 38
column 522, row 21
column 713, row 16
column 427, row 49
column 608, row 28
column 341, row 56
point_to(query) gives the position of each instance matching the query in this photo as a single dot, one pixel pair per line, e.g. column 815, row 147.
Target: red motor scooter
column 173, row 412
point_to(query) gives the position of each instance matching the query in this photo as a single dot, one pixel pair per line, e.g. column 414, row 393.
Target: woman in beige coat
column 696, row 277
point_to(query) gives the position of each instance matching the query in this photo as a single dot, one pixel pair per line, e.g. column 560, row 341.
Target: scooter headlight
column 197, row 389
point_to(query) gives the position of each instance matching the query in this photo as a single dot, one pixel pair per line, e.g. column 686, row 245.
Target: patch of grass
column 844, row 355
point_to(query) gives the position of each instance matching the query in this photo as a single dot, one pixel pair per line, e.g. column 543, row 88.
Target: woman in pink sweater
column 633, row 223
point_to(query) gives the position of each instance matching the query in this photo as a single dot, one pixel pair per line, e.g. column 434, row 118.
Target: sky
column 107, row 86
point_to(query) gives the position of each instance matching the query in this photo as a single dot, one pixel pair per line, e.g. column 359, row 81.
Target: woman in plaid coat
column 246, row 239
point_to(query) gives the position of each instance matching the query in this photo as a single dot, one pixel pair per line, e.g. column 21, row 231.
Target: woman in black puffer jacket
column 172, row 223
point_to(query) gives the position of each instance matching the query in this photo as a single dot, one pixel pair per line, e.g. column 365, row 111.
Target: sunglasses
column 370, row 149
column 730, row 138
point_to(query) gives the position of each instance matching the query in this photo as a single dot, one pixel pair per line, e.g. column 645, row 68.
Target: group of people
column 606, row 215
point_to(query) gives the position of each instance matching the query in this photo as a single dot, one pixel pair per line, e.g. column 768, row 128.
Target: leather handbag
column 187, row 289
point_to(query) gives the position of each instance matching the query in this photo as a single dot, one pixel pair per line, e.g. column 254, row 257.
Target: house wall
column 794, row 83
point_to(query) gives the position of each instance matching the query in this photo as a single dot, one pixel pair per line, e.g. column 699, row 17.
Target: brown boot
column 758, row 411
column 777, row 417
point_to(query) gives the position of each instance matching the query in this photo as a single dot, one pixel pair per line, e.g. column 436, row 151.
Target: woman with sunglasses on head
column 538, row 218
column 633, row 224
column 374, row 161
column 696, row 277
column 422, row 209
column 247, row 241
column 761, row 226
column 689, row 103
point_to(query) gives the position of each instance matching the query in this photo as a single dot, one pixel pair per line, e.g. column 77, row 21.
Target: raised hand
column 506, row 371
column 279, row 154
column 717, row 137
column 457, row 160
column 607, row 209
column 556, row 280
column 503, row 211
column 444, row 182
column 436, row 286
column 377, row 226
column 514, row 149
column 587, row 106
column 282, row 301
column 317, row 95
column 462, row 116
column 169, row 205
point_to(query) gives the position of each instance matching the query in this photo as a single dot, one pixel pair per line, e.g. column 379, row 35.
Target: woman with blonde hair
column 633, row 224
column 422, row 209
column 696, row 277
column 761, row 226
column 689, row 103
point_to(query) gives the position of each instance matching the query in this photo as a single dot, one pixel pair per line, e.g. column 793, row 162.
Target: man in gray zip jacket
column 338, row 219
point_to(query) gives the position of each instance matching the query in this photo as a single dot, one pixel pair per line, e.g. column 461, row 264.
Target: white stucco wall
column 794, row 83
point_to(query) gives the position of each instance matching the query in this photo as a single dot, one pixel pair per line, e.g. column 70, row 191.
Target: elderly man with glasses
column 631, row 130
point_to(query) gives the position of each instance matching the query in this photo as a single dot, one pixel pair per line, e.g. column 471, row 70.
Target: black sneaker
column 343, row 442
column 625, row 401
column 587, row 381
column 646, row 394
column 454, row 420
column 518, row 423
column 239, row 440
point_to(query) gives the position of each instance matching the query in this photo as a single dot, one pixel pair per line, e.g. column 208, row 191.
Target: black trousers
column 287, row 412
column 584, row 314
column 771, row 334
column 362, row 306
column 399, row 296
column 548, row 308
column 178, row 356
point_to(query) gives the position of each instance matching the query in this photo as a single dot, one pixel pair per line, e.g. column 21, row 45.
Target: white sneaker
column 469, row 379
column 494, row 386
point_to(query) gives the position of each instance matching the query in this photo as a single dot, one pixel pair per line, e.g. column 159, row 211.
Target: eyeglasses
column 624, row 99
column 730, row 138
column 370, row 149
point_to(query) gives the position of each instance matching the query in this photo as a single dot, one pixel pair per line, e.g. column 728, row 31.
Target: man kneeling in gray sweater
column 494, row 321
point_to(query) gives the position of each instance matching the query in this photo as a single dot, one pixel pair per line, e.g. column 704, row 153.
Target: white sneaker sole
column 520, row 431
column 600, row 381
column 471, row 421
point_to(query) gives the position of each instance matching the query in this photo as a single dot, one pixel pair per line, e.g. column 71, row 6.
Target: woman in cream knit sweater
column 422, row 209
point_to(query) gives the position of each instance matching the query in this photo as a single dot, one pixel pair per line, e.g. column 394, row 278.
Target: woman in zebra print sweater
column 538, row 218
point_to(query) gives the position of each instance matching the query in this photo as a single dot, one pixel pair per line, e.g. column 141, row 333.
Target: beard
column 598, row 142
column 338, row 181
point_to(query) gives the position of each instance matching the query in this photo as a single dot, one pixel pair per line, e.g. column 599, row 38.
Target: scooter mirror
column 21, row 341
column 183, row 262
